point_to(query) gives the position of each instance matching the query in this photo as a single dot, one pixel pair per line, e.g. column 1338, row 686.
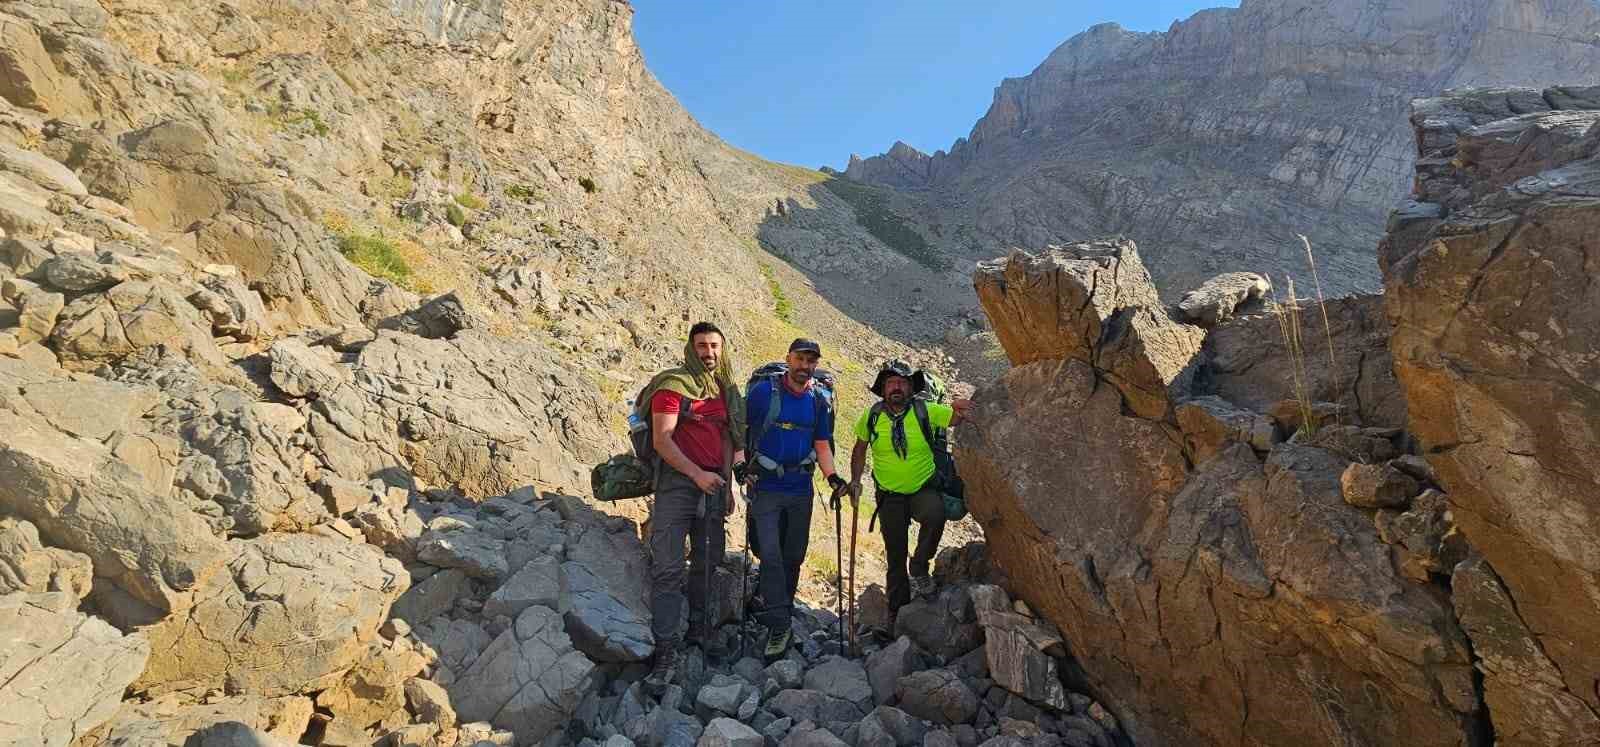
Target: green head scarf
column 695, row 381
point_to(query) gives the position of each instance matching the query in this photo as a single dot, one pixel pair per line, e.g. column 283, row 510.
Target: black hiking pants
column 895, row 513
column 782, row 532
column 672, row 519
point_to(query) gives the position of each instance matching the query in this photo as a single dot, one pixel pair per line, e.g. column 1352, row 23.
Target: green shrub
column 588, row 185
column 781, row 306
column 454, row 214
column 469, row 201
column 376, row 255
column 524, row 192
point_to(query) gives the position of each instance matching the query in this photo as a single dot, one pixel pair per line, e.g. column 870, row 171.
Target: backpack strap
column 921, row 409
column 872, row 421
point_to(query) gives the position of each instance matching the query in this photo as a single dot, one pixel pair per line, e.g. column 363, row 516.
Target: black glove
column 840, row 487
column 741, row 471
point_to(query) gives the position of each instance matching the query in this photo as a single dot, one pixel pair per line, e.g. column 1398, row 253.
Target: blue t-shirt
column 787, row 445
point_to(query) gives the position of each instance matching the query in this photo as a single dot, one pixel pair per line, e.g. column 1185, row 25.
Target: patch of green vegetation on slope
column 873, row 213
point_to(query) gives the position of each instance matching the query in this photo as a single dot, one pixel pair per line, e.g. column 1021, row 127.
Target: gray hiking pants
column 672, row 519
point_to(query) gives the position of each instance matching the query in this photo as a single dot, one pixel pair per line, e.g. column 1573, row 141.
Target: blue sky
column 811, row 81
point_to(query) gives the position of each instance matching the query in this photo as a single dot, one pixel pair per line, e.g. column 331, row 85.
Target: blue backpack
column 822, row 384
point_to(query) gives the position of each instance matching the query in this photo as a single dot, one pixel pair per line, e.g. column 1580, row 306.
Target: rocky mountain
column 1215, row 143
column 1244, row 543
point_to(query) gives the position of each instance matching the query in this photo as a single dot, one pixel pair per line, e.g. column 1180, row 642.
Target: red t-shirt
column 699, row 438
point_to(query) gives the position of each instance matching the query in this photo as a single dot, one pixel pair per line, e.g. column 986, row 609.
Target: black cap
column 802, row 345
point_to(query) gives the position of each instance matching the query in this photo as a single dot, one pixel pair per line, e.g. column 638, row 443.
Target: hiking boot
column 777, row 643
column 665, row 669
column 922, row 586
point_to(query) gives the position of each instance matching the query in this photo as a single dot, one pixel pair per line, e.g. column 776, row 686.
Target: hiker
column 697, row 428
column 787, row 446
column 902, row 469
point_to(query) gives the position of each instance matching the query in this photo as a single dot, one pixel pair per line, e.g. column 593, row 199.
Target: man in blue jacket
column 786, row 450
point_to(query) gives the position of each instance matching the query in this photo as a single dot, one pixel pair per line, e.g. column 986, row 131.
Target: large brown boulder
column 1489, row 279
column 1243, row 603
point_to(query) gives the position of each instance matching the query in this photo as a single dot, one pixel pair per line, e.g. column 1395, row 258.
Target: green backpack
column 632, row 475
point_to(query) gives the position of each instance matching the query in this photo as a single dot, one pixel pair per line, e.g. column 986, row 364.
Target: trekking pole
column 744, row 580
column 838, row 563
column 855, row 518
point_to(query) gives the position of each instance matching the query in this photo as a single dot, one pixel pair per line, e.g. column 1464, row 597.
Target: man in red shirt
column 696, row 423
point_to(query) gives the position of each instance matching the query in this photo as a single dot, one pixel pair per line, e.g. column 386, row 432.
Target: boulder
column 372, row 694
column 1022, row 657
column 840, row 678
column 452, row 544
column 810, row 705
column 1250, row 365
column 540, row 582
column 902, row 728
column 26, row 565
column 937, row 695
column 291, row 613
column 726, row 732
column 1210, row 423
column 602, row 625
column 1091, row 302
column 431, row 703
column 62, row 673
column 38, row 311
column 41, row 170
column 76, row 272
column 1487, row 286
column 171, row 719
column 1228, row 544
column 1216, row 299
column 1522, row 687
column 807, row 734
column 133, row 316
column 1424, row 536
column 945, row 625
column 887, row 665
column 431, row 597
column 529, row 680
column 1377, row 486
column 147, row 548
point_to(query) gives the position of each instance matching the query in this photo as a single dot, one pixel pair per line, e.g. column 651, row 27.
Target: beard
column 897, row 397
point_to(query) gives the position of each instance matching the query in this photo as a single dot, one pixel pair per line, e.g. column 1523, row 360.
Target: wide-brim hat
column 897, row 368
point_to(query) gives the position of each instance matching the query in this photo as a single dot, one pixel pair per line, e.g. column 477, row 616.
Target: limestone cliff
column 1215, row 142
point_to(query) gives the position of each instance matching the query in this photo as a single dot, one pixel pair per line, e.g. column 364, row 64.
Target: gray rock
column 946, row 625
column 788, row 673
column 75, row 272
column 62, row 673
column 939, row 738
column 38, row 312
column 133, row 316
column 888, row 665
column 937, row 695
column 434, row 596
column 40, row 170
column 81, row 498
column 602, row 625
column 26, row 565
column 777, row 729
column 665, row 727
column 810, row 735
column 343, row 496
column 1215, row 300
column 724, row 699
column 889, row 726
column 476, row 553
column 810, row 705
column 630, row 706
column 726, row 732
column 529, row 680
column 538, row 582
column 430, row 702
column 750, row 670
column 289, row 613
column 840, row 678
column 1415, row 466
column 1022, row 657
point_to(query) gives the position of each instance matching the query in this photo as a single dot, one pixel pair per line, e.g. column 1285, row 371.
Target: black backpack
column 944, row 477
